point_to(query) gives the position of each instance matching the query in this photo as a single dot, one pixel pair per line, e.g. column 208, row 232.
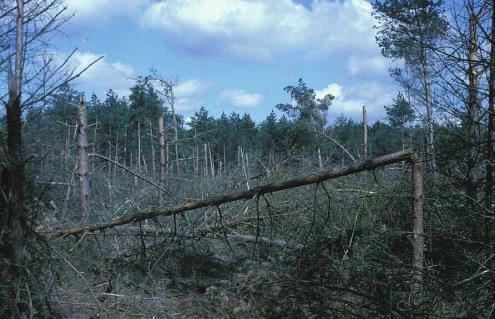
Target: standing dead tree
column 406, row 155
column 168, row 93
column 82, row 160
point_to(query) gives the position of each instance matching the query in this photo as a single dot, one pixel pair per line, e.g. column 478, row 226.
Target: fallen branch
column 260, row 190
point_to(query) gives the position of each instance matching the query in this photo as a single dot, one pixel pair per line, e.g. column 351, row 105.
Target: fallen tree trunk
column 260, row 190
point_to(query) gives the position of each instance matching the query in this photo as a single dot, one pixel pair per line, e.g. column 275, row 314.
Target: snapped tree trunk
column 13, row 226
column 82, row 161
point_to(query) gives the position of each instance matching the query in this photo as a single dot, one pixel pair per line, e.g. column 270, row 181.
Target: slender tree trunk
column 491, row 120
column 320, row 163
column 153, row 168
column 418, row 221
column 365, row 134
column 94, row 144
column 206, row 161
column 162, row 158
column 176, row 137
column 430, row 136
column 125, row 145
column 224, row 160
column 67, row 144
column 490, row 221
column 116, row 153
column 212, row 163
column 82, row 161
column 244, row 167
column 139, row 147
column 473, row 113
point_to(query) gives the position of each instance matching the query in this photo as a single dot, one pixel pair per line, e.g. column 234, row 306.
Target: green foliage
column 400, row 113
column 145, row 104
column 407, row 27
column 307, row 107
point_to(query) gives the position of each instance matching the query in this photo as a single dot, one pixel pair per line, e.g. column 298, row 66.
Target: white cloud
column 350, row 100
column 190, row 88
column 102, row 10
column 241, row 98
column 367, row 65
column 334, row 89
column 104, row 75
column 190, row 94
column 258, row 29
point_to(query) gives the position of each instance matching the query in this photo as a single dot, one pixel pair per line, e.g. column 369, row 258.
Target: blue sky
column 233, row 55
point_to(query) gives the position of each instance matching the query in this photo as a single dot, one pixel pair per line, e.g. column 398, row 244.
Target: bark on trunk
column 365, row 134
column 82, row 161
column 430, row 137
column 418, row 222
column 176, row 137
column 162, row 158
column 473, row 113
column 13, row 227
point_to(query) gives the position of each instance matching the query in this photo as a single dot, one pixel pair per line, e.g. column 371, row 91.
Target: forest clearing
column 244, row 190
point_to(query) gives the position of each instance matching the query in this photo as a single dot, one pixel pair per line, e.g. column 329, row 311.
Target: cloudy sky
column 233, row 55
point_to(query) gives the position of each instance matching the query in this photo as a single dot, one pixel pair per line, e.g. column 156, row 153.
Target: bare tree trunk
column 162, row 158
column 473, row 113
column 153, row 172
column 244, row 167
column 82, row 161
column 94, row 144
column 320, row 163
column 67, row 144
column 196, row 159
column 212, row 164
column 418, row 220
column 365, row 134
column 206, row 161
column 13, row 224
column 490, row 221
column 491, row 120
column 139, row 147
column 116, row 154
column 176, row 137
column 430, row 136
column 167, row 159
